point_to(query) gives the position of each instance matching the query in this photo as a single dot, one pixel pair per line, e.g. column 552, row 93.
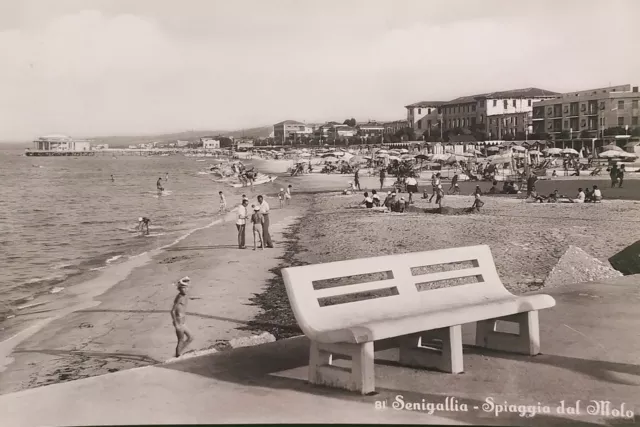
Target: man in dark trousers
column 356, row 179
column 383, row 175
column 531, row 184
column 264, row 210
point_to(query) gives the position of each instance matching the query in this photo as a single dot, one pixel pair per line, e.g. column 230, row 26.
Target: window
column 419, row 124
column 566, row 124
column 620, row 105
column 514, row 102
column 429, row 124
column 583, row 107
column 495, row 102
column 515, row 121
column 634, row 120
column 620, row 121
column 506, row 104
column 529, row 103
column 634, row 103
column 473, row 107
column 419, row 110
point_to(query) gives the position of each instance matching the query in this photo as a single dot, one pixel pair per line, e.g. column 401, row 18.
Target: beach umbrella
column 305, row 155
column 394, row 152
column 439, row 157
column 423, row 156
column 518, row 148
column 552, row 151
column 536, row 152
column 455, row 158
column 382, row 155
column 493, row 148
column 612, row 147
column 612, row 154
column 407, row 157
column 394, row 158
column 347, row 156
column 382, row 152
column 368, row 158
column 330, row 159
column 404, row 151
column 569, row 151
column 475, row 151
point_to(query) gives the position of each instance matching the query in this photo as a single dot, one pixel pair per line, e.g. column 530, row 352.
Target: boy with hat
column 143, row 222
column 257, row 220
column 179, row 314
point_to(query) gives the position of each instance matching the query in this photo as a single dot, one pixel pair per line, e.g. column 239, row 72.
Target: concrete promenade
column 591, row 352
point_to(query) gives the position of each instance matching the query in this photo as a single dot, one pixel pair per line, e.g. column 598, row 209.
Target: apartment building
column 424, row 116
column 394, row 126
column 290, row 129
column 587, row 113
column 497, row 113
column 370, row 129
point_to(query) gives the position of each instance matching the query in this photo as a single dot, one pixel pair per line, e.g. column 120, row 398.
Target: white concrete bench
column 408, row 299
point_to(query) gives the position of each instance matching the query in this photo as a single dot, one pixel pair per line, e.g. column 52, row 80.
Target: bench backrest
column 342, row 294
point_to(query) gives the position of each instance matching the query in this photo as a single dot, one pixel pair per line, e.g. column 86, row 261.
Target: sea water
column 62, row 217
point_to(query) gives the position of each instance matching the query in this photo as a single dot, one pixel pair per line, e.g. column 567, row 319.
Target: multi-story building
column 487, row 111
column 587, row 113
column 370, row 129
column 290, row 129
column 396, row 125
column 497, row 113
column 61, row 143
column 424, row 116
column 210, row 143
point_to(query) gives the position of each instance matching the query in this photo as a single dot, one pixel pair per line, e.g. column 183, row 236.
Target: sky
column 109, row 67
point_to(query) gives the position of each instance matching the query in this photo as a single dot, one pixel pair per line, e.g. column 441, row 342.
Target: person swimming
column 112, row 178
column 159, row 185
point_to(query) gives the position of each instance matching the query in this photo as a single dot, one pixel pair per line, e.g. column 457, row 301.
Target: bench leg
column 526, row 341
column 359, row 378
column 448, row 359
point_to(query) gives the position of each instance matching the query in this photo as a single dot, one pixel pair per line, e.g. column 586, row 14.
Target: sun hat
column 256, row 208
column 282, row 189
column 184, row 282
column 388, row 192
column 139, row 219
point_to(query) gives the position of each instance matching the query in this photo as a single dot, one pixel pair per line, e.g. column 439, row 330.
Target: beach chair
column 596, row 172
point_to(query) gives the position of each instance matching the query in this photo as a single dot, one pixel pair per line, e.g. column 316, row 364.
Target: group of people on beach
column 258, row 217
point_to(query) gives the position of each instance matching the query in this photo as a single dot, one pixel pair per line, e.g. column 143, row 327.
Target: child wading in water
column 287, row 195
column 223, row 202
column 281, row 197
column 257, row 220
column 179, row 314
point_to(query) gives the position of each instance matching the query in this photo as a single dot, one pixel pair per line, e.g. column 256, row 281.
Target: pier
column 124, row 152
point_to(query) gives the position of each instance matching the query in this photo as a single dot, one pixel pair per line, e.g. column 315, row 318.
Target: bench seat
column 416, row 302
column 418, row 322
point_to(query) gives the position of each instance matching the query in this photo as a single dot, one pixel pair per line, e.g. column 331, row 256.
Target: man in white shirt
column 412, row 187
column 241, row 223
column 264, row 210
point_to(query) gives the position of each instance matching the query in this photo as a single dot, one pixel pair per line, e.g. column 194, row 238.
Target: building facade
column 210, row 143
column 394, row 126
column 588, row 113
column 370, row 129
column 289, row 129
column 60, row 143
column 497, row 113
column 424, row 116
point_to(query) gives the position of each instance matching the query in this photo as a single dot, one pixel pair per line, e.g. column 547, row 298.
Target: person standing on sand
column 356, row 179
column 454, row 182
column 241, row 222
column 435, row 183
column 614, row 175
column 223, row 202
column 620, row 176
column 179, row 316
column 383, row 175
column 264, row 211
column 258, row 221
column 287, row 195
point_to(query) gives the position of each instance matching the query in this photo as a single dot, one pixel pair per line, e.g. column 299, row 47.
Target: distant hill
column 124, row 141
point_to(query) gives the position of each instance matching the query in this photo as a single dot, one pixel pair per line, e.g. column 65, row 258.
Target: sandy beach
column 129, row 324
column 120, row 319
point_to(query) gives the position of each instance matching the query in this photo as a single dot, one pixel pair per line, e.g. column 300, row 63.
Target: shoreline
column 120, row 319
